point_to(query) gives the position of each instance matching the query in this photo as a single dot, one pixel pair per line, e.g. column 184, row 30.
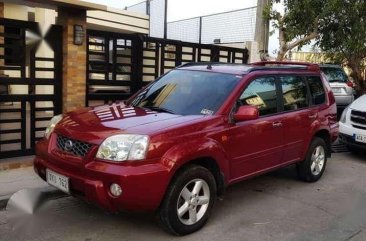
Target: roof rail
column 194, row 64
column 309, row 66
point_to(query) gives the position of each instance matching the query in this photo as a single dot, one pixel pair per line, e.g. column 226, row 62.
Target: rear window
column 334, row 74
column 316, row 90
column 295, row 93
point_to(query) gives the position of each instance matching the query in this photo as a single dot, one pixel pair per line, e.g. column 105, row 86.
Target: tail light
column 350, row 84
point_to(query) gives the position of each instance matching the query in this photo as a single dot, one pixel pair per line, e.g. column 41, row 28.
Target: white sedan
column 352, row 125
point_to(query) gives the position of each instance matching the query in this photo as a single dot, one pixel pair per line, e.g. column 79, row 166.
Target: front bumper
column 143, row 186
column 350, row 141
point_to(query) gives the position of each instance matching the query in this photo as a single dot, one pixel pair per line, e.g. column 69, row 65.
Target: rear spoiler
column 308, row 66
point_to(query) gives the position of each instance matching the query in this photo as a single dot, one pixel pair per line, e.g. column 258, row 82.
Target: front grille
column 359, row 127
column 358, row 117
column 78, row 148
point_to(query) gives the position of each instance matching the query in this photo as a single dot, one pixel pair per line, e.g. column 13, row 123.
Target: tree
column 298, row 24
column 343, row 35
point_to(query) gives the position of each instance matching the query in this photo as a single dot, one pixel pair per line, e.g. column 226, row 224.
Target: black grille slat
column 358, row 117
column 78, row 148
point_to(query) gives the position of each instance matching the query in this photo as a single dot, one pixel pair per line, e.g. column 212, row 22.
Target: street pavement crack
column 353, row 235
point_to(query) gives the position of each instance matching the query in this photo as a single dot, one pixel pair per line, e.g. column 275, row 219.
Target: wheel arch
column 325, row 135
column 210, row 164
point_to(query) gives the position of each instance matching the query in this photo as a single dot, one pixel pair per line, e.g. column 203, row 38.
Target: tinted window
column 261, row 93
column 316, row 90
column 334, row 74
column 295, row 94
column 186, row 92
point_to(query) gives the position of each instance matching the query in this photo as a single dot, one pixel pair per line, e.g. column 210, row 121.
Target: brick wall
column 74, row 59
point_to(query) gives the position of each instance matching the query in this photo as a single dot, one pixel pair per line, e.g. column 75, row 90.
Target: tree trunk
column 355, row 65
column 281, row 55
column 283, row 45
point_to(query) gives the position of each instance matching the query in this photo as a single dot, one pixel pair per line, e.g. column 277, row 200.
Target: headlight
column 124, row 147
column 56, row 119
column 344, row 115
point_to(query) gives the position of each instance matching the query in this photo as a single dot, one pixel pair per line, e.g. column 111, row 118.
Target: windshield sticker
column 206, row 112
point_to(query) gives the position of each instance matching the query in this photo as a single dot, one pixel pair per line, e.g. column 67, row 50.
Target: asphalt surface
column 275, row 206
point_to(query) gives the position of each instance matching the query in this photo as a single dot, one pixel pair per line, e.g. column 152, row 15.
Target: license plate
column 360, row 138
column 59, row 181
column 337, row 90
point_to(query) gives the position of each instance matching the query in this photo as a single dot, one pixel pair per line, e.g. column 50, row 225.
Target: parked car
column 342, row 87
column 175, row 145
column 353, row 125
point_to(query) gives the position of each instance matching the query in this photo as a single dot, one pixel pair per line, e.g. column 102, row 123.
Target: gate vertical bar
column 178, row 54
column 23, row 115
column 137, row 65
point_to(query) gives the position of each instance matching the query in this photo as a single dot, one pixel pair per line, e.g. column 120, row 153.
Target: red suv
column 175, row 145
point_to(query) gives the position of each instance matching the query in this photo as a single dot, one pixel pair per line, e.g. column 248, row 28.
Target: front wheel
column 312, row 168
column 188, row 201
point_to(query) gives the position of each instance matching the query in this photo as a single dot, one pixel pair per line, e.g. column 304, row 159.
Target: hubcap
column 317, row 160
column 193, row 201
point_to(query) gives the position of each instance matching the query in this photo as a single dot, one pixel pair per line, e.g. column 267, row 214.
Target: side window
column 316, row 90
column 262, row 94
column 295, row 93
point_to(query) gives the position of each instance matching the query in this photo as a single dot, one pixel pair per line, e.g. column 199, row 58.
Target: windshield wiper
column 159, row 109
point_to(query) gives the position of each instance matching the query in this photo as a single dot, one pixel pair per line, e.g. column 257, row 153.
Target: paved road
column 272, row 207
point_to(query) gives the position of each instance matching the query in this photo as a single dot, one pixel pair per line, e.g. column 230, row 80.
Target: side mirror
column 246, row 112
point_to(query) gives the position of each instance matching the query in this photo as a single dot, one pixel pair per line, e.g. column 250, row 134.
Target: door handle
column 314, row 116
column 277, row 124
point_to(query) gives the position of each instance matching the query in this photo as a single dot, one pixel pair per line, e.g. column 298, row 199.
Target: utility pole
column 262, row 28
column 166, row 19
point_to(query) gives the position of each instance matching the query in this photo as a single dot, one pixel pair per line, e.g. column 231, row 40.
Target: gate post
column 74, row 59
column 2, row 39
column 137, row 63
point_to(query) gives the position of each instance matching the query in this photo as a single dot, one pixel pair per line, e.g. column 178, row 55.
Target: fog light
column 116, row 189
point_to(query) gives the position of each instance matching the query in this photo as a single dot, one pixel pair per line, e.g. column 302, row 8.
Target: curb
column 9, row 165
column 50, row 193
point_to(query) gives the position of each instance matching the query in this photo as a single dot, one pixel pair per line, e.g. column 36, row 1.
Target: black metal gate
column 120, row 64
column 30, row 84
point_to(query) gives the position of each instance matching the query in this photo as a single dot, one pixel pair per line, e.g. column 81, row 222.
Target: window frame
column 304, row 79
column 236, row 106
column 323, row 87
column 279, row 92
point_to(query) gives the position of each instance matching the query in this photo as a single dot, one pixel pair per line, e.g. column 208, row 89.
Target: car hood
column 94, row 124
column 359, row 103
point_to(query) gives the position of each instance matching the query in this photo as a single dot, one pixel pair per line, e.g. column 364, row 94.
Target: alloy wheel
column 193, row 201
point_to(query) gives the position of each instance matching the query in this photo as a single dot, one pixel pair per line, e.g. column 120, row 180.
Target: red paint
column 241, row 149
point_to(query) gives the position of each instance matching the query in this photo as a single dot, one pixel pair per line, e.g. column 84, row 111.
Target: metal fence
column 31, row 83
column 228, row 27
column 156, row 10
column 121, row 64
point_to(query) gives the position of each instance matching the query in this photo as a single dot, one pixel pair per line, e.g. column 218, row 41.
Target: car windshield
column 186, row 92
column 335, row 74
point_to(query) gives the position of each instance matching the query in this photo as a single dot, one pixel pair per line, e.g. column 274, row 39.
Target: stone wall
column 74, row 59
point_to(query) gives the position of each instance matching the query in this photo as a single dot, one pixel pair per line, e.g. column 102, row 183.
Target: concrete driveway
column 272, row 207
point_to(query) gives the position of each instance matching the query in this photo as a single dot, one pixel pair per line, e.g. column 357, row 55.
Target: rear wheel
column 312, row 168
column 188, row 201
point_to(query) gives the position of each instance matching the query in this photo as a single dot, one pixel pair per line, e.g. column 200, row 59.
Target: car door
column 296, row 116
column 256, row 145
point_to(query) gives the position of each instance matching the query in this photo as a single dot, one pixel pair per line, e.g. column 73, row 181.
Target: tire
column 182, row 196
column 312, row 168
